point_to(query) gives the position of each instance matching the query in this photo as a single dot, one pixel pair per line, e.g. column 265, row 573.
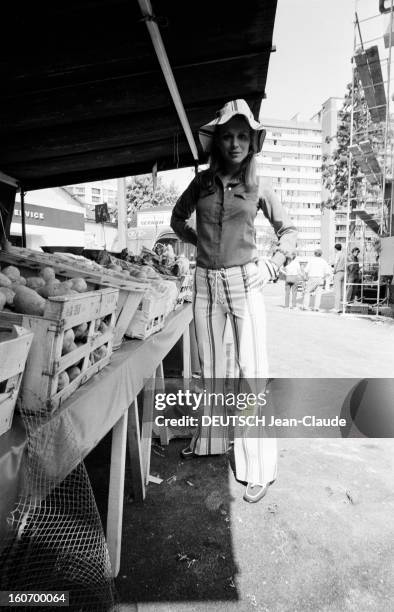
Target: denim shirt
column 225, row 217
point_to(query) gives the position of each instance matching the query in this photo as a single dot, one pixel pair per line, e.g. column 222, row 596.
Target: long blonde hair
column 247, row 172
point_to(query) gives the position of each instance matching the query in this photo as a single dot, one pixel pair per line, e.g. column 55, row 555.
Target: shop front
column 52, row 218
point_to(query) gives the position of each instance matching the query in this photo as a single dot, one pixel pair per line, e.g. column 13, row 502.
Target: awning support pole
column 161, row 53
column 23, row 217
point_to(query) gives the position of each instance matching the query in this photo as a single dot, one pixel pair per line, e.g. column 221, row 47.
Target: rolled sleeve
column 284, row 230
column 182, row 212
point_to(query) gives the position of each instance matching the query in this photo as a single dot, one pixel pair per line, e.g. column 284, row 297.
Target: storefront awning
column 82, row 95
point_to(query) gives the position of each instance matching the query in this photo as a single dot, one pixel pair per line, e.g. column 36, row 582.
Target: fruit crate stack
column 153, row 309
column 72, row 341
column 15, row 343
column 31, row 263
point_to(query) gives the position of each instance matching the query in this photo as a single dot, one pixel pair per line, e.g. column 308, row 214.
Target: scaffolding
column 369, row 211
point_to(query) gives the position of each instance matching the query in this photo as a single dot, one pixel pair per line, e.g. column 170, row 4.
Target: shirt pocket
column 242, row 207
column 208, row 205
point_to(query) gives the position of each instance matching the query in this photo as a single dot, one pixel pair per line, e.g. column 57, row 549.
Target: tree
column 140, row 194
column 335, row 168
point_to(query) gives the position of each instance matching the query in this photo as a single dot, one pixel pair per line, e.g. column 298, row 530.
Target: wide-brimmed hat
column 229, row 110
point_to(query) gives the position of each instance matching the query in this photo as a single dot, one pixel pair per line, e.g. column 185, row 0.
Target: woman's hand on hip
column 268, row 270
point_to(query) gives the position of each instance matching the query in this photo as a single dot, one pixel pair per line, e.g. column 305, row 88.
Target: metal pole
column 359, row 31
column 361, row 276
column 122, row 213
column 385, row 153
column 23, row 217
column 161, row 53
column 349, row 177
column 391, row 208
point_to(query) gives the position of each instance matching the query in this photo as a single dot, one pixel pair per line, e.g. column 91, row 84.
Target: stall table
column 106, row 402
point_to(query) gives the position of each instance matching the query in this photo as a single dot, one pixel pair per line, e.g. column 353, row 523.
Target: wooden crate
column 39, row 391
column 150, row 316
column 384, row 311
column 15, row 343
column 358, row 308
column 129, row 300
column 131, row 291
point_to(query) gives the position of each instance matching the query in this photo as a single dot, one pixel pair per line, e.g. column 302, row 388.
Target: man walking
column 316, row 271
column 339, row 276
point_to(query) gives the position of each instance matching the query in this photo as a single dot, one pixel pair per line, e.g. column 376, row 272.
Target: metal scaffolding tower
column 369, row 215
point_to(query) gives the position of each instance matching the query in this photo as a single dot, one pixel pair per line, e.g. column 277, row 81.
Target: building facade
column 52, row 218
column 98, row 192
column 98, row 235
column 290, row 163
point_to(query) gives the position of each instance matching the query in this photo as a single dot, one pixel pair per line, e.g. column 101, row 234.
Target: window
column 95, row 191
column 96, row 198
column 308, row 229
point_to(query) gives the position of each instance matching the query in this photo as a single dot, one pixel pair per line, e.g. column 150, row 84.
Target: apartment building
column 291, row 163
column 98, row 236
column 98, row 192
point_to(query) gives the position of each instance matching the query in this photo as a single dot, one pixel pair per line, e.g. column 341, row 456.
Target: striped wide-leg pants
column 234, row 295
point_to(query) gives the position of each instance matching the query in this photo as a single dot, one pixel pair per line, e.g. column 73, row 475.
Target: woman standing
column 229, row 278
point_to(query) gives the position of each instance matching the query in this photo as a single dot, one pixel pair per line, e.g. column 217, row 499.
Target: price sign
column 101, row 213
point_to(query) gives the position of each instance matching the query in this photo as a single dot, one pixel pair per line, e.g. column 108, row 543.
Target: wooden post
column 23, row 217
column 122, row 214
column 7, row 203
column 147, row 423
column 162, row 432
column 134, row 442
column 116, row 492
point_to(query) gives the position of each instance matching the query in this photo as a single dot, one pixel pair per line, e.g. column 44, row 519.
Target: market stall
column 72, row 313
column 78, row 114
column 108, row 401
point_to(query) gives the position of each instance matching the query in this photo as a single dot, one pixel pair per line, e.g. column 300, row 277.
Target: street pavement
column 326, row 344
column 321, row 540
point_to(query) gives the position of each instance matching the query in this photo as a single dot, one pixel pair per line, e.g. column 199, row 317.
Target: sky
column 314, row 41
column 314, row 45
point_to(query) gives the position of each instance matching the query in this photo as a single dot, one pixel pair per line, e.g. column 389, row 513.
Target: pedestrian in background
column 293, row 275
column 339, row 276
column 353, row 275
column 315, row 272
